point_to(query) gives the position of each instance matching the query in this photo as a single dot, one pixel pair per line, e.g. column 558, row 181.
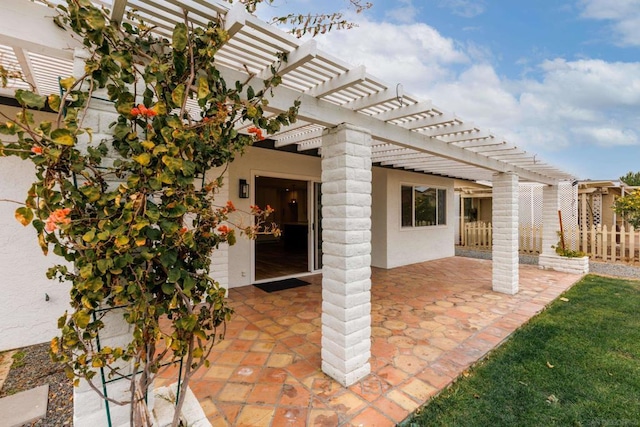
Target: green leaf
column 174, row 165
column 103, row 265
column 203, row 88
column 160, row 108
column 29, row 99
column 67, row 83
column 92, row 193
column 63, row 137
column 86, row 271
column 8, row 128
column 174, row 122
column 95, row 19
column 173, row 276
column 177, row 96
column 144, row 159
column 188, row 283
column 168, row 258
column 89, row 236
column 54, row 102
column 179, row 40
column 168, row 288
column 24, row 215
column 82, row 319
column 121, row 241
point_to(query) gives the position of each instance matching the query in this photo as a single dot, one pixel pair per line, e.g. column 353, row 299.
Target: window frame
column 441, row 205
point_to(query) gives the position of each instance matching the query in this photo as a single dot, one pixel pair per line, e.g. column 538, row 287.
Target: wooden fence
column 614, row 243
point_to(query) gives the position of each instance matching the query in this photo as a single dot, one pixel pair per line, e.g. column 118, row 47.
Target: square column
column 505, row 233
column 550, row 220
column 346, row 251
column 220, row 256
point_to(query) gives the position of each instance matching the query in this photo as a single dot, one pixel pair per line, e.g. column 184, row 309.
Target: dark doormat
column 279, row 285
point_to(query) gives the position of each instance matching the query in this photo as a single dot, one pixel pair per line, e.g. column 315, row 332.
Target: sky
column 558, row 78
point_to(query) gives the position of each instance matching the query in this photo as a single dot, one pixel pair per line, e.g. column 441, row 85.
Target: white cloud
column 606, row 136
column 587, row 102
column 405, row 13
column 464, row 8
column 578, row 114
column 413, row 54
column 624, row 16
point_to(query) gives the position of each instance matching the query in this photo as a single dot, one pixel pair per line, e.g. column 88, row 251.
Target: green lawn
column 576, row 364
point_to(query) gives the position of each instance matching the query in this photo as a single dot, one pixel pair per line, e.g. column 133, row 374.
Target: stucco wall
column 392, row 246
column 379, row 215
column 260, row 161
column 25, row 315
column 411, row 245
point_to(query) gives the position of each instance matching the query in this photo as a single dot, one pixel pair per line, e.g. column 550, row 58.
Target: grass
column 18, row 359
column 575, row 364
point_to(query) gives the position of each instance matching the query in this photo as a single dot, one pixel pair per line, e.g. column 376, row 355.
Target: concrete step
column 24, row 407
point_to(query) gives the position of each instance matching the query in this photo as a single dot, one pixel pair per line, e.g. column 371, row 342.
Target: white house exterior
column 377, row 157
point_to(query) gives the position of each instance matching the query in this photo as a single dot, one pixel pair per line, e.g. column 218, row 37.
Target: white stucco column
column 505, row 233
column 550, row 221
column 220, row 256
column 346, row 248
column 89, row 410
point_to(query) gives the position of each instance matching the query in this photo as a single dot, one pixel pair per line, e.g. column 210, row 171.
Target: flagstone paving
column 430, row 322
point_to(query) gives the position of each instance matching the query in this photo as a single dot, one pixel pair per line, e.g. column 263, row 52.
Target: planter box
column 566, row 265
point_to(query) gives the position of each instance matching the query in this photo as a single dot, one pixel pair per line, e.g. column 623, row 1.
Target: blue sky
column 560, row 78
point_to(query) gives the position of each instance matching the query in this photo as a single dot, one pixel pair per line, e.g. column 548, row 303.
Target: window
column 423, row 206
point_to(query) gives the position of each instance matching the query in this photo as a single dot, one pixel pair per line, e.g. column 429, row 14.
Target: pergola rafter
column 331, row 91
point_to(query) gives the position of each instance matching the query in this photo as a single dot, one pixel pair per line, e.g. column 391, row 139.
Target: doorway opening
column 287, row 254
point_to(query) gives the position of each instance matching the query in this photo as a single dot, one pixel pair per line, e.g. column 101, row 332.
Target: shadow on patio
column 430, row 322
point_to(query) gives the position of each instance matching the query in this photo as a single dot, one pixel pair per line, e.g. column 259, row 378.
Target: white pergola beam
column 299, row 138
column 461, row 129
column 235, row 19
column 327, row 114
column 28, row 26
column 295, row 59
column 407, row 111
column 402, row 157
column 426, row 122
column 25, row 66
column 349, row 78
column 117, row 10
column 369, row 101
column 471, row 136
column 310, row 145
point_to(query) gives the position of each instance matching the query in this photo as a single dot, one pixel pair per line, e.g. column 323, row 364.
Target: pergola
column 343, row 108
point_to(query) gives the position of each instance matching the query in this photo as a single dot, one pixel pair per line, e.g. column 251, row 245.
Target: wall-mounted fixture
column 243, row 186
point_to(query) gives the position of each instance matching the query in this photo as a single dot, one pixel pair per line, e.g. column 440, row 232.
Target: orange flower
column 59, row 216
column 230, row 207
column 257, row 132
column 36, row 150
column 183, row 230
column 223, row 229
column 141, row 110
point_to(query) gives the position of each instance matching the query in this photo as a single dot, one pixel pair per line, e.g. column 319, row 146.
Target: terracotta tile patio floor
column 430, row 322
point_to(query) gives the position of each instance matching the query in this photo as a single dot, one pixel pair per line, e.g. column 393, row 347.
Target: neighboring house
column 365, row 178
column 596, row 200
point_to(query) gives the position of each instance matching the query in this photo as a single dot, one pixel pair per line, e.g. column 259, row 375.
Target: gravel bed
column 32, row 367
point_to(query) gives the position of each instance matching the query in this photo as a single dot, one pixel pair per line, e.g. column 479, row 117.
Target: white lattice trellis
column 530, row 205
column 568, row 195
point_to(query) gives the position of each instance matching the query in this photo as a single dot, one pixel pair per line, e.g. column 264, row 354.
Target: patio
column 430, row 322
